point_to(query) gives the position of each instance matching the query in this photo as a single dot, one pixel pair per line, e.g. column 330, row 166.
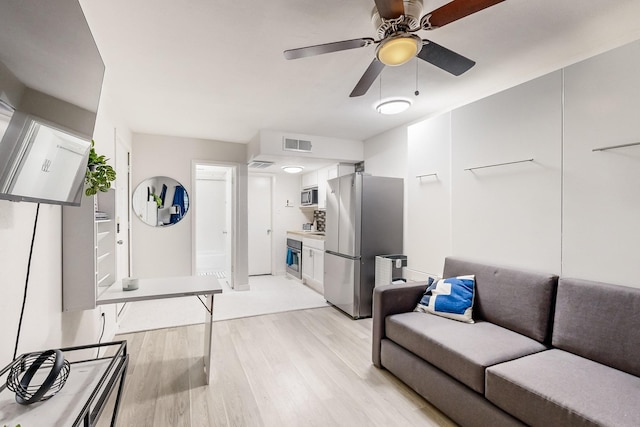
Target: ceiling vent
column 257, row 164
column 290, row 144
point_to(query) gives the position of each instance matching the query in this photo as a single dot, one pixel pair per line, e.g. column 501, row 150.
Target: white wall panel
column 386, row 154
column 509, row 214
column 428, row 236
column 602, row 189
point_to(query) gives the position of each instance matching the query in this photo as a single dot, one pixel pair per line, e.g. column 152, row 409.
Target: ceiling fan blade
column 457, row 9
column 303, row 52
column 367, row 79
column 390, row 9
column 444, row 58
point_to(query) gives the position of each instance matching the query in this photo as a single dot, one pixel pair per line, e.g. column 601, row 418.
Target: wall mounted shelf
column 613, row 147
column 426, row 175
column 499, row 164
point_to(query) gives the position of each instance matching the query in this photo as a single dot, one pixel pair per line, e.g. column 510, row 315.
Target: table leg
column 208, row 333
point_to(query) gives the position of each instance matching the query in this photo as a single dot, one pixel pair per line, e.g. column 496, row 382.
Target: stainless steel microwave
column 309, row 197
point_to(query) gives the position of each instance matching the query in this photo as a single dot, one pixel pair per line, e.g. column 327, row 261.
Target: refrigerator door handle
column 342, row 255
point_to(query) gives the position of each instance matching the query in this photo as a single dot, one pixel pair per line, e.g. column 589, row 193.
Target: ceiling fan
column 396, row 22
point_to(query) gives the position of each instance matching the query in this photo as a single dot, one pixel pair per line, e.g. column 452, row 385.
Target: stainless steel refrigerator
column 364, row 218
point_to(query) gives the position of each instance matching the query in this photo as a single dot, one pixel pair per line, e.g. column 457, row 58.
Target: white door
column 259, row 213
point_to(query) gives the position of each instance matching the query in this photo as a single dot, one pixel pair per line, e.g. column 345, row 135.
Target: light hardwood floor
column 300, row 368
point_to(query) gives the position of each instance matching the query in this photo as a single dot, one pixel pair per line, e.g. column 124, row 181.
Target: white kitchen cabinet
column 322, row 187
column 309, row 180
column 318, row 265
column 88, row 251
column 329, row 172
column 307, row 262
column 313, row 263
column 340, row 169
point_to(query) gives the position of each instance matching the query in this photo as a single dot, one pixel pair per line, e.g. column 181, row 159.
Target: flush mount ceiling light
column 292, row 169
column 398, row 49
column 393, row 106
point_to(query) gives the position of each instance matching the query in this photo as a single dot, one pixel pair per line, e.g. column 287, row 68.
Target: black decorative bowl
column 29, row 365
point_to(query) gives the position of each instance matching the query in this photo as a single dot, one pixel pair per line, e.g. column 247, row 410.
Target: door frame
column 124, row 144
column 234, row 209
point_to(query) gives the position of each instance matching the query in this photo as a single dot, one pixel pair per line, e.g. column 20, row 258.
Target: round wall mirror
column 160, row 201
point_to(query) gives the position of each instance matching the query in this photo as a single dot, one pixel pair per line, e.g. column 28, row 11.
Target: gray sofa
column 543, row 351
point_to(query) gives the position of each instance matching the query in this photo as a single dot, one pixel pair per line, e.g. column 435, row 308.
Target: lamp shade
column 393, row 106
column 398, row 50
column 292, row 169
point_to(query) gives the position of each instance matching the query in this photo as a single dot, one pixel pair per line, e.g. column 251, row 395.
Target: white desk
column 171, row 287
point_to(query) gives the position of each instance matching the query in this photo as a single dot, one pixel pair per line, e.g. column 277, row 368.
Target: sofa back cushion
column 600, row 322
column 519, row 300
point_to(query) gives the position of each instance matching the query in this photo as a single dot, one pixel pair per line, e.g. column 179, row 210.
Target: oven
column 294, row 258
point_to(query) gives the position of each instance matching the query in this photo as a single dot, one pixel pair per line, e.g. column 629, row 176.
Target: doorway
column 259, row 194
column 213, row 232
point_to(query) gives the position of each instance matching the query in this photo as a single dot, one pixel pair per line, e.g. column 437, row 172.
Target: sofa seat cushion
column 462, row 350
column 557, row 388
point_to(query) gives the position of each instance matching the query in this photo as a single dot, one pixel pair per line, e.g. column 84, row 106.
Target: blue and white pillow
column 451, row 298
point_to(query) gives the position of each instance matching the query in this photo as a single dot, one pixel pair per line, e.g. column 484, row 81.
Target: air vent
column 256, row 164
column 290, row 144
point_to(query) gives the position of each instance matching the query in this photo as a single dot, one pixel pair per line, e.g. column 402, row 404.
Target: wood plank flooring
column 308, row 367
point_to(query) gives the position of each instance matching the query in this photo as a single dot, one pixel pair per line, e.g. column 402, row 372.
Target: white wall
column 602, row 189
column 571, row 211
column 509, row 213
column 45, row 325
column 269, row 143
column 386, row 154
column 167, row 251
column 428, row 224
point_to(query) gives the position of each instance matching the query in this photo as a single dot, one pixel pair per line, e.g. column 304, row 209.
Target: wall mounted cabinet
column 320, row 177
column 309, row 180
column 88, row 250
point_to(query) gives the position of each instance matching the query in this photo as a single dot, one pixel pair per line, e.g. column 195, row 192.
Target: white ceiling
column 214, row 69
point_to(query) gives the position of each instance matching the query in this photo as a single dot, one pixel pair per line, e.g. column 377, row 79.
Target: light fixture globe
column 292, row 169
column 393, row 106
column 398, row 49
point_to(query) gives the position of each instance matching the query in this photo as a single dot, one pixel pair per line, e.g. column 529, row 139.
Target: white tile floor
column 267, row 294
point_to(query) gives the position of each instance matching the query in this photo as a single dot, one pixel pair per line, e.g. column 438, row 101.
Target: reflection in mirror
column 160, row 201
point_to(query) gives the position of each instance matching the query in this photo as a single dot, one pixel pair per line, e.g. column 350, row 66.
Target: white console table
column 171, row 287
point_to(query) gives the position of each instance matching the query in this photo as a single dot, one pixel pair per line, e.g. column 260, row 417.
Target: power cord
column 26, row 283
column 104, row 320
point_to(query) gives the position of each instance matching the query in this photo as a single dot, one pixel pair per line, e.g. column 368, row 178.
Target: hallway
column 268, row 294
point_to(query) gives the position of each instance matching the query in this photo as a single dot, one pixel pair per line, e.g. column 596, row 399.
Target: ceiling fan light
column 393, row 106
column 398, row 50
column 292, row 169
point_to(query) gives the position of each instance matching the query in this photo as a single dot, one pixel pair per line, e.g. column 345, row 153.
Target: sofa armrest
column 388, row 300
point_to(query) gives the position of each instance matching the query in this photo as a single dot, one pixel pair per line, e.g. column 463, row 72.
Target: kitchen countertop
column 308, row 234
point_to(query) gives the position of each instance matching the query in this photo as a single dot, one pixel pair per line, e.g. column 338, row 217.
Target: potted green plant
column 99, row 174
